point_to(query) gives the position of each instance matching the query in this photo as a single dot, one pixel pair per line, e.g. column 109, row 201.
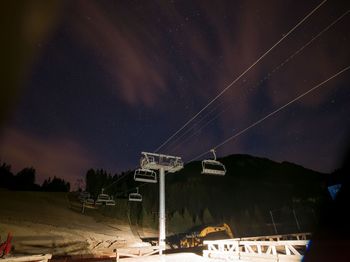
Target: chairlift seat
column 145, row 175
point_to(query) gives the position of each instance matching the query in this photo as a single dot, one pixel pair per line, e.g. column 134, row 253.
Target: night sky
column 110, row 79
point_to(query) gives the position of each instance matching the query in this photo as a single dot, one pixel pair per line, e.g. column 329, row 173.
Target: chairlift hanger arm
column 213, row 151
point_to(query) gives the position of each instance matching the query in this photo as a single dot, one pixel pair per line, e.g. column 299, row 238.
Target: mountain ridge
column 252, row 187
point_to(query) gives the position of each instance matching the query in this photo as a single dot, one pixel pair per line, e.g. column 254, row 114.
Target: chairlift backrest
column 145, row 175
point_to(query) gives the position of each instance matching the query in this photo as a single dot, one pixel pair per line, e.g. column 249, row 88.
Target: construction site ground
column 44, row 222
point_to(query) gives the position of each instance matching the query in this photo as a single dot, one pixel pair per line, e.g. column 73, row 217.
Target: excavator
column 196, row 239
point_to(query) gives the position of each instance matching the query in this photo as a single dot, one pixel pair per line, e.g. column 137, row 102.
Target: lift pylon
column 162, row 163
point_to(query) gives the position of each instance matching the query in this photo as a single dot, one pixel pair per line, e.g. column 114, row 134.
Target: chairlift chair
column 145, row 175
column 177, row 165
column 90, row 201
column 213, row 167
column 104, row 199
column 135, row 197
column 101, row 199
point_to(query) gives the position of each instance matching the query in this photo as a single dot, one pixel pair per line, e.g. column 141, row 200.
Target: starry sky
column 109, row 79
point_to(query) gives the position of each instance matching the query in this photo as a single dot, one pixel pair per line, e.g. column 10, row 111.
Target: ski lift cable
column 221, row 112
column 202, row 127
column 242, row 74
column 231, row 84
column 274, row 112
column 267, row 76
column 259, row 83
column 194, row 125
column 122, row 177
column 133, row 188
column 118, row 179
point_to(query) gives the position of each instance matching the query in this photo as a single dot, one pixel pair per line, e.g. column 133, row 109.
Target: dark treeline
column 96, row 179
column 25, row 181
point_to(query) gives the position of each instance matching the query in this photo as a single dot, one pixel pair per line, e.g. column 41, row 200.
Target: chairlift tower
column 163, row 163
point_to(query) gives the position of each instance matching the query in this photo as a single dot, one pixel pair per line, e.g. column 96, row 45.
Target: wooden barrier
column 36, row 258
column 295, row 236
column 256, row 250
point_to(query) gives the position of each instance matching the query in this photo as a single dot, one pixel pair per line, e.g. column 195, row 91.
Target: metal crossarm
column 154, row 161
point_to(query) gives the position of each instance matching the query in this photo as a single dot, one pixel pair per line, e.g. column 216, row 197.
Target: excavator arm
column 212, row 229
column 196, row 240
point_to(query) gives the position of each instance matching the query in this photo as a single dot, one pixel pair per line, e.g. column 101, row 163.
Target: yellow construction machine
column 196, row 239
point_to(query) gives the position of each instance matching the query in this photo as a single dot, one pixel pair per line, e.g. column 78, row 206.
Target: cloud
column 130, row 56
column 146, row 47
column 257, row 28
column 54, row 156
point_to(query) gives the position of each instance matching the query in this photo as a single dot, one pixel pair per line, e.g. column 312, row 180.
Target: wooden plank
column 39, row 258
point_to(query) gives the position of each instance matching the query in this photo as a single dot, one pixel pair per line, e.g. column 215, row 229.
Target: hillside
column 244, row 197
column 252, row 192
column 46, row 222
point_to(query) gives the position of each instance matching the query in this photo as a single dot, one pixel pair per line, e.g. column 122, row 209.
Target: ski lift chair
column 89, row 201
column 135, row 197
column 213, row 167
column 176, row 164
column 102, row 198
column 145, row 175
column 110, row 202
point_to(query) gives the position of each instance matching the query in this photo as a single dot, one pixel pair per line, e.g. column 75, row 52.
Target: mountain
column 253, row 191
